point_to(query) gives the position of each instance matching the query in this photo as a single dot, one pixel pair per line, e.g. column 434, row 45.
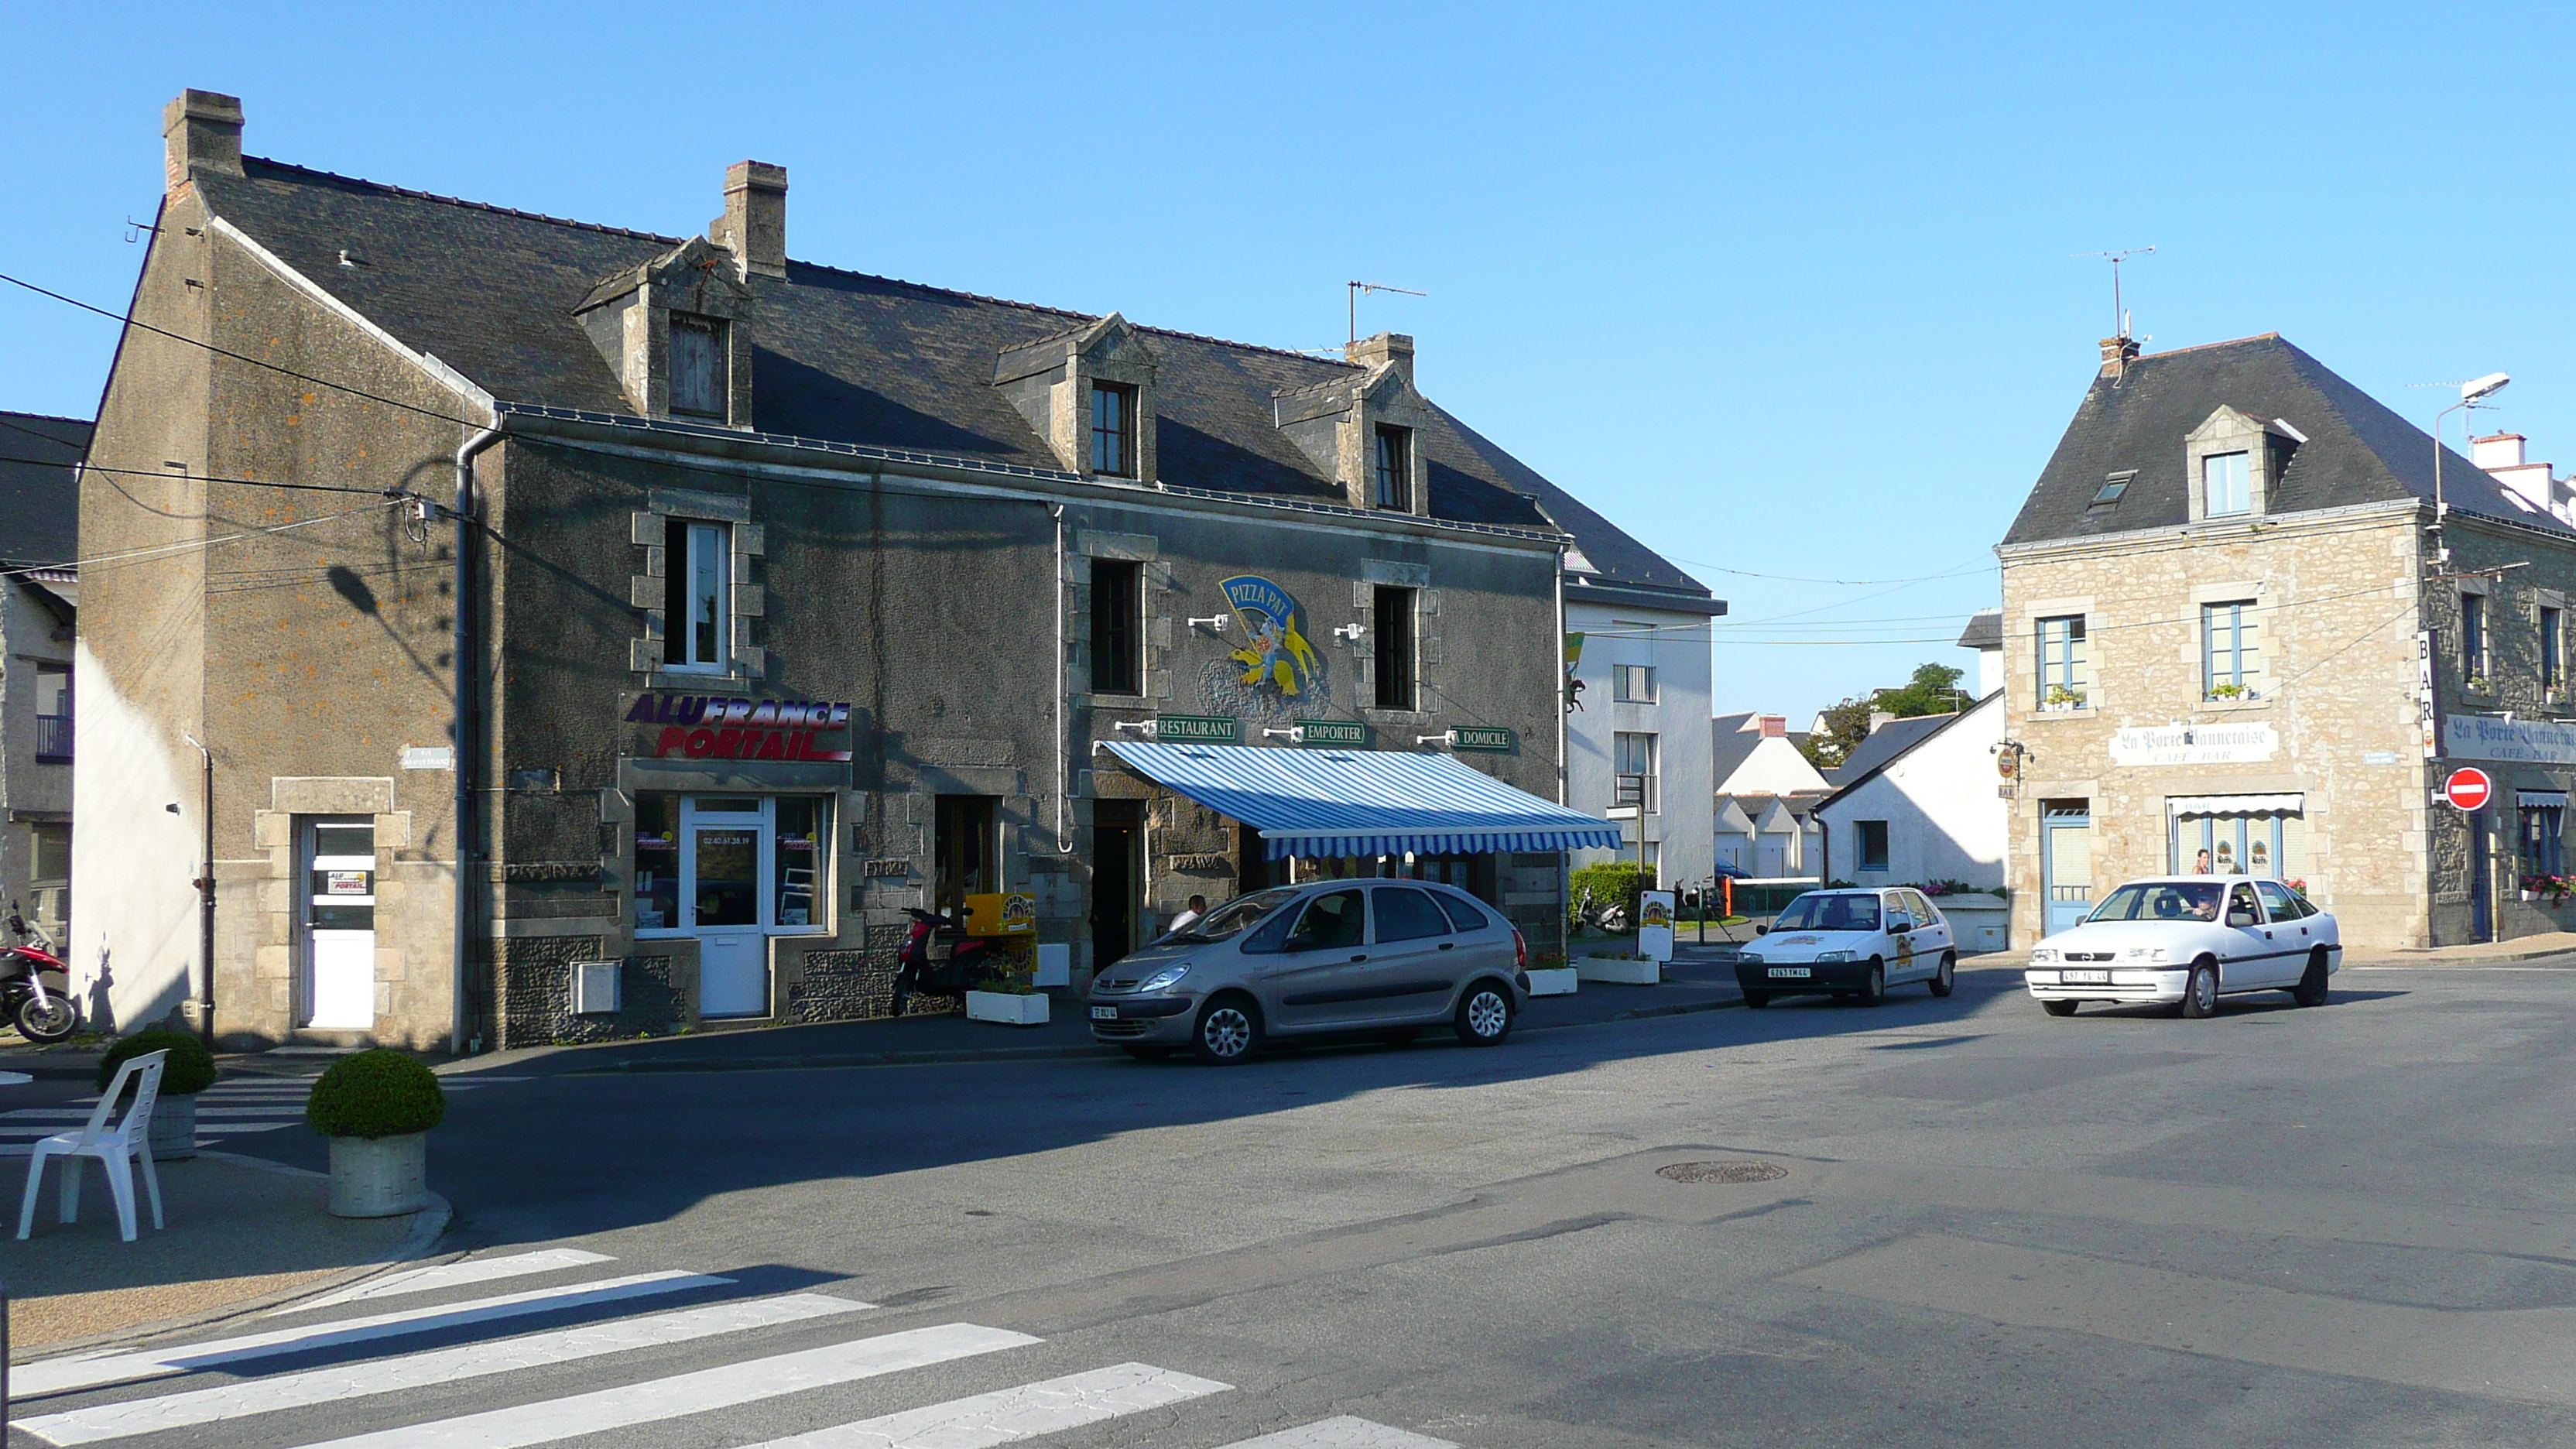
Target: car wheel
column 1757, row 999
column 2312, row 990
column 1485, row 1015
column 1147, row 1053
column 2200, row 997
column 1873, row 987
column 1945, row 975
column 1229, row 1028
column 2058, row 1008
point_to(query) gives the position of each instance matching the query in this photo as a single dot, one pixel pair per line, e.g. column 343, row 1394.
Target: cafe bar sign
column 718, row 727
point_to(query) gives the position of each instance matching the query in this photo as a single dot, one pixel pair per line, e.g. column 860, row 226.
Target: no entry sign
column 2468, row 788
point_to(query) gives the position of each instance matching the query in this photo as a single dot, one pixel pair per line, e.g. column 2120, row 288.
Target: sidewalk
column 242, row 1233
column 1693, row 982
column 2483, row 953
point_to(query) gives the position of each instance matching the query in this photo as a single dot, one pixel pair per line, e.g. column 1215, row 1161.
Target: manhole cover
column 1722, row 1171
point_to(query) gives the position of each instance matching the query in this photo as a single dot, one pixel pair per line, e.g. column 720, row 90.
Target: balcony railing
column 54, row 738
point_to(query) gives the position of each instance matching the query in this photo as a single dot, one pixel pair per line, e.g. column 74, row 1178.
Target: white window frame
column 705, row 542
column 1654, row 766
column 1621, row 674
column 2239, row 482
column 765, row 821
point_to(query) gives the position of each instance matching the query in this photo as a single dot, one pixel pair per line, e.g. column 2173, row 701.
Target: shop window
column 1395, row 672
column 2542, row 828
column 2264, row 843
column 964, row 832
column 1394, row 468
column 2063, row 677
column 1113, row 430
column 698, row 372
column 698, row 596
column 1632, row 757
column 729, row 861
column 2231, row 660
column 1632, row 683
column 1869, row 844
column 2227, row 484
column 2473, row 638
column 1117, row 653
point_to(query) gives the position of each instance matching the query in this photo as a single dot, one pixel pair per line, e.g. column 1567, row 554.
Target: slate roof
column 1730, row 744
column 1884, row 744
column 2358, row 451
column 839, row 356
column 1985, row 630
column 40, row 488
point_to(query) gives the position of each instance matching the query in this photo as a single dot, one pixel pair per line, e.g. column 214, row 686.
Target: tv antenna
column 2119, row 315
column 1358, row 287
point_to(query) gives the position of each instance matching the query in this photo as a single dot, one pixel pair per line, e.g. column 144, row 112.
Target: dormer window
column 2227, row 485
column 1394, row 465
column 1113, row 430
column 698, row 380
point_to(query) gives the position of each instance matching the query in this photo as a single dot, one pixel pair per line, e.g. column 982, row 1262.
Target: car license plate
column 1789, row 972
column 1104, row 1013
column 2085, row 978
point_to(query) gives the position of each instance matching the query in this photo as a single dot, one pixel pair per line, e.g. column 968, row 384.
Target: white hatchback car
column 2186, row 941
column 1852, row 944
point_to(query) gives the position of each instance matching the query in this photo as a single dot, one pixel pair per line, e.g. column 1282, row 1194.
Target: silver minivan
column 1330, row 957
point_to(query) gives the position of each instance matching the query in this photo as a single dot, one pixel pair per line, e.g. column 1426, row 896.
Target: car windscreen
column 2162, row 901
column 1235, row 917
column 1829, row 913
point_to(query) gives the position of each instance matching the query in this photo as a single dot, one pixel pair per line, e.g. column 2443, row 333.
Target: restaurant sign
column 2223, row 744
column 1200, row 728
column 717, row 727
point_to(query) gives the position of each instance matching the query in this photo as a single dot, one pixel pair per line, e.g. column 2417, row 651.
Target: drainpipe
column 1556, row 672
column 206, row 904
column 464, row 757
column 1063, row 747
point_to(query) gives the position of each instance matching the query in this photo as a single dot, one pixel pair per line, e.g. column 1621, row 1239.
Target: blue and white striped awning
column 1311, row 802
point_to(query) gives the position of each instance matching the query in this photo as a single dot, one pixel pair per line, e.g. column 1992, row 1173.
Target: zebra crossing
column 229, row 1387
column 234, row 1107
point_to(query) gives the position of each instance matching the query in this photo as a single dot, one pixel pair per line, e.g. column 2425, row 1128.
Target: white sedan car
column 1849, row 944
column 2187, row 941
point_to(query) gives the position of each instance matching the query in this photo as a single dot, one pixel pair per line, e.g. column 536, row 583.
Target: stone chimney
column 201, row 131
column 1880, row 719
column 2117, row 354
column 754, row 224
column 1774, row 726
column 1391, row 348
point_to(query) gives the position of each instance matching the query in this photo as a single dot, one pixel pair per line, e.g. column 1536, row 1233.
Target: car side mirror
column 1762, row 930
column 2240, row 918
column 1899, row 928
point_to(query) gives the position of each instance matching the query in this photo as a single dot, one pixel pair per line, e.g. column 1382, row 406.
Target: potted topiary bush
column 377, row 1108
column 188, row 1070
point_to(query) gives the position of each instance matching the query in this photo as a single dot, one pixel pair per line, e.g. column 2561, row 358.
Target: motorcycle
column 42, row 1011
column 967, row 963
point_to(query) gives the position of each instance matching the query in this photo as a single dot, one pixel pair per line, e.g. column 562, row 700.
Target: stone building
column 2234, row 641
column 715, row 608
column 39, row 602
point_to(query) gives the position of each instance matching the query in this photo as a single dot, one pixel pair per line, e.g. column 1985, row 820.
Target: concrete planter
column 379, row 1177
column 174, row 1127
column 1556, row 981
column 1618, row 973
column 1008, row 1008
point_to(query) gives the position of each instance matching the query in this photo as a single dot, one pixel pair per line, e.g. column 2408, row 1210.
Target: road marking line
column 1343, row 1432
column 725, row 1387
column 341, row 1382
column 81, row 1114
column 450, row 1275
column 33, row 1131
column 89, row 1371
column 1012, row 1414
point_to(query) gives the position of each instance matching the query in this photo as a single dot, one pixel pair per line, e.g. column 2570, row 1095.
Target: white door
column 725, row 888
column 340, row 924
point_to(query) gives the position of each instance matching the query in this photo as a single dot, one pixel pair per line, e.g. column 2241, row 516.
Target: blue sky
column 1784, row 290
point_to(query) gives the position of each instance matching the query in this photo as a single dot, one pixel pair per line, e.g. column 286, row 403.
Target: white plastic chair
column 117, row 1150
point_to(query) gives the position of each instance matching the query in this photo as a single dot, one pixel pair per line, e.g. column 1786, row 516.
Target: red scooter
column 42, row 1009
column 966, row 963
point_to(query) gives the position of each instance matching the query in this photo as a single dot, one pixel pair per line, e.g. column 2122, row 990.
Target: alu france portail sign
column 720, row 727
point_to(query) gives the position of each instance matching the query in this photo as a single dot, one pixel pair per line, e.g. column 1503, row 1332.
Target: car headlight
column 2143, row 953
column 2043, row 953
column 1833, row 955
column 1748, row 958
column 1165, row 979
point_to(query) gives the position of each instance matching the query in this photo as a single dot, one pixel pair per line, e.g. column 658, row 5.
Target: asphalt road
column 2348, row 1225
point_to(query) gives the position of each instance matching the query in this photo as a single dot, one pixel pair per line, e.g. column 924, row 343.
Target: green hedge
column 190, row 1069
column 376, row 1094
column 1610, row 880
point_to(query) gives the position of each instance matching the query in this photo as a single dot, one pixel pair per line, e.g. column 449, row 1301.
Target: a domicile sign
column 718, row 727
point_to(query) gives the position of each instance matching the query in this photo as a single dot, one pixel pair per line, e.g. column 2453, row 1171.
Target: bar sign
column 1331, row 732
column 1208, row 728
column 1480, row 737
